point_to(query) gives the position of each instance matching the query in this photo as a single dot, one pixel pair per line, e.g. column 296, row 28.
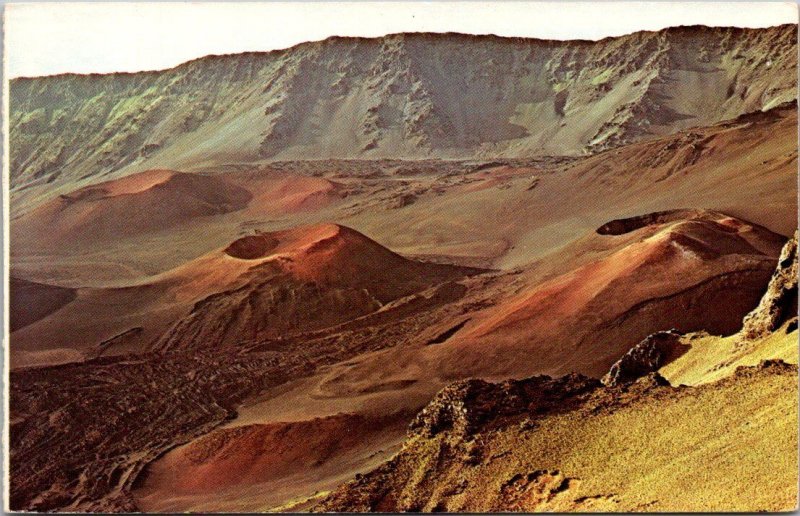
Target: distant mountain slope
column 149, row 201
column 402, row 96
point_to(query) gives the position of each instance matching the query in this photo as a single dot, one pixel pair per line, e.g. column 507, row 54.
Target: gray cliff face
column 401, row 96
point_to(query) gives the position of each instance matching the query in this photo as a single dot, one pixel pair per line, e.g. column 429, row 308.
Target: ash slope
column 402, row 96
column 390, row 384
column 114, row 210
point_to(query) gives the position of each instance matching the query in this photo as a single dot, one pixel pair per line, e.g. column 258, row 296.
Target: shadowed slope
column 31, row 301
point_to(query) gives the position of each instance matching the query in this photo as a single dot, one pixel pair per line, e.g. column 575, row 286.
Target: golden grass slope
column 711, row 357
column 725, row 446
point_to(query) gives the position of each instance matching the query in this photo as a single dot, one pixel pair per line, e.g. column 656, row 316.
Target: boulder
column 644, row 358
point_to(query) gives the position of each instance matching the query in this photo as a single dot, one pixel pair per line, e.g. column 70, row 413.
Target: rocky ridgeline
column 392, row 97
column 468, row 406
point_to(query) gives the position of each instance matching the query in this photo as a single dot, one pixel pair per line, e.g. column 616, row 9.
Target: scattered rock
column 402, row 201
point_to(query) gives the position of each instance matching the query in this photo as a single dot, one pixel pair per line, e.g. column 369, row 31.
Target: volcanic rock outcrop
column 780, row 301
column 644, row 358
column 462, row 408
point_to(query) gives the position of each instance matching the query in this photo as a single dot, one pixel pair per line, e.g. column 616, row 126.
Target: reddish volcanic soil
column 276, row 193
column 136, row 204
column 704, row 272
column 302, row 280
column 249, row 344
column 256, row 466
column 253, row 453
column 670, row 250
column 259, row 286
